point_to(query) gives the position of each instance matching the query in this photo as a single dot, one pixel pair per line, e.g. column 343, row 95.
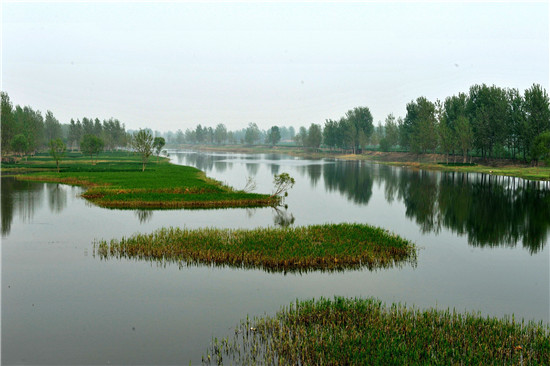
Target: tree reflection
column 21, row 198
column 144, row 216
column 282, row 217
column 57, row 197
column 351, row 178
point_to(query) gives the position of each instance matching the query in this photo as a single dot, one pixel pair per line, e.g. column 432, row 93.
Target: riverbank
column 317, row 247
column 501, row 167
column 347, row 331
column 116, row 181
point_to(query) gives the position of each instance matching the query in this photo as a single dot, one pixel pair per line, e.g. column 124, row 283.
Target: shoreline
column 432, row 162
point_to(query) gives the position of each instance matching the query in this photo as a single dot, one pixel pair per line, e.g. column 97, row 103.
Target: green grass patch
column 367, row 332
column 319, row 247
column 116, row 181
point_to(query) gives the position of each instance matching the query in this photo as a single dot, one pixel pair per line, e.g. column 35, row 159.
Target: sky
column 173, row 65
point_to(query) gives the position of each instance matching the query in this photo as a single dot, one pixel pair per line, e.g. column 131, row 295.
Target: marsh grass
column 348, row 331
column 319, row 247
column 116, row 181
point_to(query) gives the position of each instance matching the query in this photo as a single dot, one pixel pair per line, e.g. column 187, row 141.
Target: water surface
column 483, row 243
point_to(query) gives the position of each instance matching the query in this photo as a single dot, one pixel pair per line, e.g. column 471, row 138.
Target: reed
column 346, row 331
column 319, row 247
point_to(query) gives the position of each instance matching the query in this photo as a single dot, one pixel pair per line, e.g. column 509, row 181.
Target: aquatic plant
column 347, row 331
column 318, row 247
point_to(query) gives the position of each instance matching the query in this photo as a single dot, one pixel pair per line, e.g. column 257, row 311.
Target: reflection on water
column 489, row 210
column 20, row 198
column 144, row 216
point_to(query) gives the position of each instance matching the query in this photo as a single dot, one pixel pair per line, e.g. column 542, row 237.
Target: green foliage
column 346, row 331
column 143, row 145
column 314, row 136
column 91, row 145
column 158, row 144
column 283, row 182
column 541, row 147
column 318, row 247
column 19, row 144
column 273, row 136
column 117, row 182
column 252, row 134
column 57, row 151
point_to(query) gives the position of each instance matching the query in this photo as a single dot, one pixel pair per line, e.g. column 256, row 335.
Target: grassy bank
column 320, row 247
column 365, row 331
column 116, row 181
column 415, row 161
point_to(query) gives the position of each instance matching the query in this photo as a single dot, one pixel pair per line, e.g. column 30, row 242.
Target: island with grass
column 116, row 180
column 365, row 331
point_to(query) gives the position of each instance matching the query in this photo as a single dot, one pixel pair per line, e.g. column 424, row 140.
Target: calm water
column 484, row 247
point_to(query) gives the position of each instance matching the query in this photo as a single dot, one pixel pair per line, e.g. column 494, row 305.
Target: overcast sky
column 173, row 65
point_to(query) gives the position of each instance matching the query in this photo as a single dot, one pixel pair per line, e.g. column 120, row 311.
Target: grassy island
column 366, row 332
column 116, row 181
column 319, row 247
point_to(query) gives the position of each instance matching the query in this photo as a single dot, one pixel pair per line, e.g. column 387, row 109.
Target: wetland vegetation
column 353, row 331
column 116, row 180
column 316, row 247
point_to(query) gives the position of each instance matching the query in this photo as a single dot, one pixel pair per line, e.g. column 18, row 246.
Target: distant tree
column 464, row 136
column 220, row 134
column 75, row 131
column 537, row 110
column 91, row 145
column 392, row 131
column 158, row 144
column 360, row 119
column 19, row 144
column 314, row 136
column 52, row 127
column 301, row 137
column 273, row 136
column 57, row 151
column 180, row 137
column 541, row 148
column 330, row 133
column 8, row 126
column 143, row 144
column 252, row 134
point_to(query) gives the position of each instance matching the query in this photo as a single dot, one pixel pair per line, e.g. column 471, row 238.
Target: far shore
column 502, row 167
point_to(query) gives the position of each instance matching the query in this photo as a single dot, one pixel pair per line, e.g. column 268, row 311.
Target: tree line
column 488, row 121
column 26, row 131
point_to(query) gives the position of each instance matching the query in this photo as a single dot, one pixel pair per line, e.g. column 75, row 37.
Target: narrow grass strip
column 348, row 331
column 319, row 247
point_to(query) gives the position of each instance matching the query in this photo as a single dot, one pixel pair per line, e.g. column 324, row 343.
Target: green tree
column 330, row 133
column 57, row 151
column 541, row 148
column 420, row 126
column 19, row 144
column 392, row 131
column 8, row 125
column 273, row 136
column 252, row 134
column 314, row 136
column 91, row 145
column 361, row 120
column 283, row 182
column 52, row 127
column 143, row 144
column 220, row 134
column 537, row 110
column 158, row 144
column 464, row 135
